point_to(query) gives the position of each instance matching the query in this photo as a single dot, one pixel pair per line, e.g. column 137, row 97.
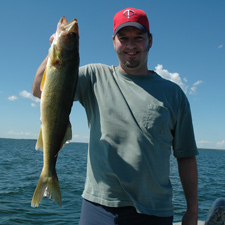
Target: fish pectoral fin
column 53, row 54
column 43, row 80
column 39, row 144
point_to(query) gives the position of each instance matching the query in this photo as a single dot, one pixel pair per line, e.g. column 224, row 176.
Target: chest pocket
column 155, row 119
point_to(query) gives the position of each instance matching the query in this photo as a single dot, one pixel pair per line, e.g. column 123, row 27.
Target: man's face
column 132, row 46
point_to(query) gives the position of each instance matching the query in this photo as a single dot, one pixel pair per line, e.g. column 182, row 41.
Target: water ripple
column 21, row 166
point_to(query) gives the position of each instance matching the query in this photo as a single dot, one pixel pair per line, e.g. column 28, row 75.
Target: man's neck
column 136, row 72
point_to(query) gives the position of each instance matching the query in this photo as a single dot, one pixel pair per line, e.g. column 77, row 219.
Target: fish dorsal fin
column 43, row 80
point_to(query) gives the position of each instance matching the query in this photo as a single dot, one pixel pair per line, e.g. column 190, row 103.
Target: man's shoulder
column 178, row 86
column 97, row 72
column 170, row 88
column 97, row 66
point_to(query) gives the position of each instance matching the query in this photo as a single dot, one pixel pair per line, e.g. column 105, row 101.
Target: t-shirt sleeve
column 84, row 87
column 184, row 144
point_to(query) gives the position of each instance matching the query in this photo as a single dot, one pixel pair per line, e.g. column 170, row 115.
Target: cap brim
column 131, row 24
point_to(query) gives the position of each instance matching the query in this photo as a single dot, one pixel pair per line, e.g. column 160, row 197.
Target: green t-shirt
column 134, row 121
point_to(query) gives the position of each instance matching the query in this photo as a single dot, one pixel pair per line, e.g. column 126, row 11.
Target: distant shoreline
column 216, row 149
column 30, row 139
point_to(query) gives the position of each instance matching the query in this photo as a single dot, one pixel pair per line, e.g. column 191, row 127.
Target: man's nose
column 131, row 43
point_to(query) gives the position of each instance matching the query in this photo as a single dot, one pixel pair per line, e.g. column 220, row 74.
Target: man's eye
column 139, row 38
column 123, row 38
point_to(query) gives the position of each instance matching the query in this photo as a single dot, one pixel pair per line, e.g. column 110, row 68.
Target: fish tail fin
column 47, row 187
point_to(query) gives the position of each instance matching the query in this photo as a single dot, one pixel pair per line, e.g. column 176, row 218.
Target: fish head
column 67, row 34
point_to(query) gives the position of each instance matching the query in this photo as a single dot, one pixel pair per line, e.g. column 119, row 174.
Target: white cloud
column 19, row 133
column 220, row 46
column 197, row 83
column 193, row 89
column 176, row 78
column 26, row 94
column 12, row 98
column 221, row 143
column 185, row 80
column 203, row 142
column 78, row 138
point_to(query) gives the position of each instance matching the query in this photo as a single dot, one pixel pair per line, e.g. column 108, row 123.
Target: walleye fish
column 58, row 90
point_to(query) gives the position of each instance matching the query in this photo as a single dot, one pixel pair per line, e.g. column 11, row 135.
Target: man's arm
column 38, row 77
column 189, row 178
column 39, row 74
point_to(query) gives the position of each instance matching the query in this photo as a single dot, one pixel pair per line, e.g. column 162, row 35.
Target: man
column 134, row 117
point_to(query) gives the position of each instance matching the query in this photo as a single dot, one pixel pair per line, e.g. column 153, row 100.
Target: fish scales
column 58, row 90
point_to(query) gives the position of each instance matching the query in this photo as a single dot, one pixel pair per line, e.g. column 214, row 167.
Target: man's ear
column 150, row 40
column 113, row 38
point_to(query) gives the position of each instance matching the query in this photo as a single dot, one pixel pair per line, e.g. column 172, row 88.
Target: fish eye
column 72, row 35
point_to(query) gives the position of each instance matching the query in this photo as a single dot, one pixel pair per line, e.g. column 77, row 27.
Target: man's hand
column 40, row 71
column 190, row 219
column 52, row 38
column 189, row 179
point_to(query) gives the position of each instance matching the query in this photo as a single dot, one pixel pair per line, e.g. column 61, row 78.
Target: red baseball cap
column 131, row 17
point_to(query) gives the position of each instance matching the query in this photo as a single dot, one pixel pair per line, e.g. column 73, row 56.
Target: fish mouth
column 71, row 27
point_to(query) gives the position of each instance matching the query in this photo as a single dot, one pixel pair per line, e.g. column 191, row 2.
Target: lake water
column 20, row 167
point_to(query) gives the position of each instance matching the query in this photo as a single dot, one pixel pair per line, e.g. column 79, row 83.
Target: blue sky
column 188, row 48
